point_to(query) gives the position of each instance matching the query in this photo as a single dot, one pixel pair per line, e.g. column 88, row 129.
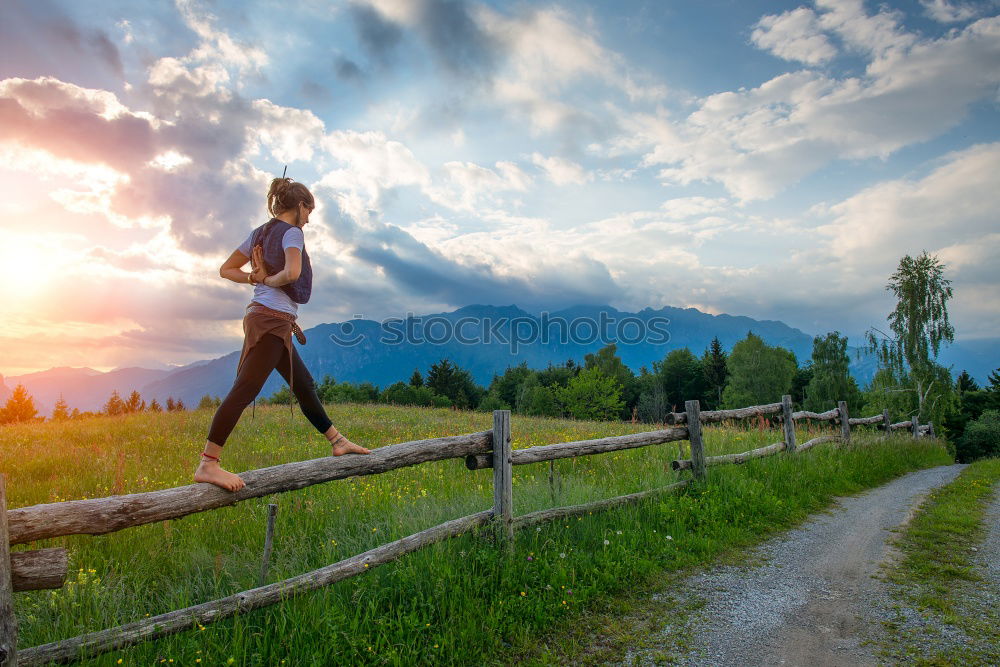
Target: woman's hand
column 257, row 272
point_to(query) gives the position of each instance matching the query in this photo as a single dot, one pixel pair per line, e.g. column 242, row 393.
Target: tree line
column 20, row 407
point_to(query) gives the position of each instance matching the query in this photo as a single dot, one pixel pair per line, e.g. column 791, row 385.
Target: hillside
column 383, row 355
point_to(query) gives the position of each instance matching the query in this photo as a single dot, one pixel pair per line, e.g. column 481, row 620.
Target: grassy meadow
column 459, row 602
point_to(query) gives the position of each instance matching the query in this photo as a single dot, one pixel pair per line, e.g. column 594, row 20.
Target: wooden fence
column 47, row 568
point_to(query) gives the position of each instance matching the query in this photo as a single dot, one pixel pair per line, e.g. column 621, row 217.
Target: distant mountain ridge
column 382, row 362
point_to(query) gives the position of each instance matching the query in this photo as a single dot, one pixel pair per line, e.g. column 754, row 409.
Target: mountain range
column 362, row 350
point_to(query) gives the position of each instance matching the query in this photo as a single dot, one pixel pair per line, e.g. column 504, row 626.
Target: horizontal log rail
column 817, row 441
column 860, row 421
column 829, row 415
column 723, row 415
column 575, row 510
column 562, row 450
column 105, row 515
column 742, row 457
column 95, row 643
column 38, row 570
column 898, row 425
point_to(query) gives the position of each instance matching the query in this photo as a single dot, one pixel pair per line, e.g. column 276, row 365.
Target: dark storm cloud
column 315, row 91
column 347, row 70
column 455, row 39
column 71, row 127
column 447, row 29
column 415, row 270
column 211, row 201
column 379, row 37
column 40, row 31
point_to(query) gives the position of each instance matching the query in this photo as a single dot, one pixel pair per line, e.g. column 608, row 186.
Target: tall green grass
column 460, row 602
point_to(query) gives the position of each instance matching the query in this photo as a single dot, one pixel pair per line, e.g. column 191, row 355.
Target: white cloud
column 945, row 11
column 218, row 46
column 561, row 171
column 794, row 35
column 465, row 185
column 372, row 164
column 758, row 141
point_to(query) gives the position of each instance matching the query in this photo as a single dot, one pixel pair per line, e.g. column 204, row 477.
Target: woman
column 278, row 245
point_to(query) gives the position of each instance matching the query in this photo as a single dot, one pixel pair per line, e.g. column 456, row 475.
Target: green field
column 460, row 602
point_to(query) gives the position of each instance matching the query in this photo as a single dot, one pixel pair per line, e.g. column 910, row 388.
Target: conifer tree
column 20, row 407
column 114, row 405
column 60, row 412
column 134, row 403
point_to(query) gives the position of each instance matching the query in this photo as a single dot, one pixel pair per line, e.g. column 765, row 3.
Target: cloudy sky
column 765, row 159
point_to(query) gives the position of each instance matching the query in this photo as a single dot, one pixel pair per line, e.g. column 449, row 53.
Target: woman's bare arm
column 232, row 268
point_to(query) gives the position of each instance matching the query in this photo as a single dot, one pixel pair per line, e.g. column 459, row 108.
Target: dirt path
column 810, row 600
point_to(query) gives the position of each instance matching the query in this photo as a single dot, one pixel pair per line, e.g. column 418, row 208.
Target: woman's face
column 303, row 214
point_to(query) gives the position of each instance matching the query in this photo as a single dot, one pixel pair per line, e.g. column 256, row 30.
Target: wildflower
column 569, row 591
column 562, row 555
column 607, row 542
column 530, row 558
column 119, row 661
column 669, row 537
column 523, row 594
column 618, row 532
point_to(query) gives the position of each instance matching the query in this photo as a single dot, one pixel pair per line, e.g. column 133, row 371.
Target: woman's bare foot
column 212, row 472
column 340, row 445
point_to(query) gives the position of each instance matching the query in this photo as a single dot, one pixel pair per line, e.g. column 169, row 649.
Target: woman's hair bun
column 285, row 194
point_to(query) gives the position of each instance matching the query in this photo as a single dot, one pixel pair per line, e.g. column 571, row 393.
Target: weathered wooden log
column 95, row 643
column 915, row 426
column 503, row 477
column 821, row 439
column 562, row 450
column 742, row 457
column 898, row 425
column 39, row 570
column 828, row 416
column 860, row 421
column 265, row 561
column 105, row 515
column 573, row 510
column 788, row 422
column 845, row 421
column 722, row 415
column 693, row 411
column 8, row 621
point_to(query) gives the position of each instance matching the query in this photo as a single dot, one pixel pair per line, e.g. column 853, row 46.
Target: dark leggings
column 268, row 354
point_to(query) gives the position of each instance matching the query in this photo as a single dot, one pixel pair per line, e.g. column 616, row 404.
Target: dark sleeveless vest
column 269, row 236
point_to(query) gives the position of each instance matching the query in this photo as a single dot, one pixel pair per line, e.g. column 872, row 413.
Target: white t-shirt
column 275, row 297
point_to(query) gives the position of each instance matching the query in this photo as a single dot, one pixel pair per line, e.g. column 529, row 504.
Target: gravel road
column 813, row 596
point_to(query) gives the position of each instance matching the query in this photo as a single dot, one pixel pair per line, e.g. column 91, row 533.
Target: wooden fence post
column 8, row 622
column 693, row 409
column 788, row 424
column 845, row 421
column 930, row 428
column 885, row 422
column 272, row 510
column 503, row 476
column 915, row 427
